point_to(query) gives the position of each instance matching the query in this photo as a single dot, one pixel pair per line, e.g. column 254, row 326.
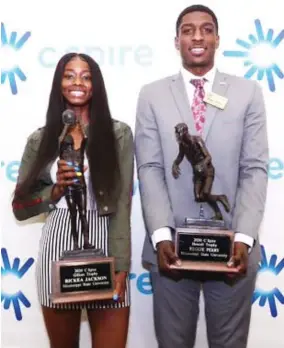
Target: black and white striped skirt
column 55, row 239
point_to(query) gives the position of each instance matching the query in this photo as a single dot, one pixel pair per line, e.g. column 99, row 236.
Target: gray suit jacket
column 236, row 137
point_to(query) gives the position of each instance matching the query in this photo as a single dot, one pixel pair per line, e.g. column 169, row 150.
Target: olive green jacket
column 39, row 201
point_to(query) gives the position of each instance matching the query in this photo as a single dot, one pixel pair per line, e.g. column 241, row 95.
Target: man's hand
column 240, row 258
column 167, row 257
column 175, row 170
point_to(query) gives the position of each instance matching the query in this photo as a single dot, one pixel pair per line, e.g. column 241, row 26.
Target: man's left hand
column 240, row 258
column 120, row 284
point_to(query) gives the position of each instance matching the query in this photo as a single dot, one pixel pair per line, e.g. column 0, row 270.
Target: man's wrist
column 160, row 235
column 242, row 244
column 244, row 239
column 161, row 242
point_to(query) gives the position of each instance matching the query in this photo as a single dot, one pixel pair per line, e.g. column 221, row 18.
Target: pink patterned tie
column 198, row 106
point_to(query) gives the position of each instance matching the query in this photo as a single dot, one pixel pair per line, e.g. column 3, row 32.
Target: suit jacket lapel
column 182, row 102
column 220, row 87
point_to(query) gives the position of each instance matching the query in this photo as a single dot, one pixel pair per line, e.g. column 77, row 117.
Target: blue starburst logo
column 267, row 291
column 9, row 58
column 260, row 55
column 10, row 287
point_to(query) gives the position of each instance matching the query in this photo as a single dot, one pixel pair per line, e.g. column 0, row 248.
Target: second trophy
column 202, row 244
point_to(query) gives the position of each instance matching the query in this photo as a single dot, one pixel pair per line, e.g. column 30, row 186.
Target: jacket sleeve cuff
column 121, row 264
column 34, row 205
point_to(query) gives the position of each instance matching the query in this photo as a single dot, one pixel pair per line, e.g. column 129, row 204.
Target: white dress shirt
column 164, row 233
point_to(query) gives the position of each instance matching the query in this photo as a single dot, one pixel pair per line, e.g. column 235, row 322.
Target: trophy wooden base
column 204, row 245
column 81, row 276
column 205, row 267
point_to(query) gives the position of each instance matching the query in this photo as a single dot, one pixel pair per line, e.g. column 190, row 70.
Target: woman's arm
column 120, row 230
column 39, row 200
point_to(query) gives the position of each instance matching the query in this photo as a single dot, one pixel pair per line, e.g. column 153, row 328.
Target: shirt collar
column 209, row 76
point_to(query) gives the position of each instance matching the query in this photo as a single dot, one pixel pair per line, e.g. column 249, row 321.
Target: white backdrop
column 133, row 41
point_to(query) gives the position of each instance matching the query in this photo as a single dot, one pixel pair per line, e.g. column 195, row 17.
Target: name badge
column 216, row 100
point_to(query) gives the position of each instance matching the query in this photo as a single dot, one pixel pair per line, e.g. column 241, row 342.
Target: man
column 235, row 135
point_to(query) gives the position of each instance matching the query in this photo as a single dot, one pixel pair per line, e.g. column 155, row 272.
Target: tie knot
column 198, row 83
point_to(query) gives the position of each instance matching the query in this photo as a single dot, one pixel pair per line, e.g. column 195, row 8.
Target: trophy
column 202, row 244
column 81, row 274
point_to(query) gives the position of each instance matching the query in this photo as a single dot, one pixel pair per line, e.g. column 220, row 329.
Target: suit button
column 105, row 208
column 101, row 193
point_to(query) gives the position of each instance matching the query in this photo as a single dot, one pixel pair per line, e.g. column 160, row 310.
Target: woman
column 78, row 86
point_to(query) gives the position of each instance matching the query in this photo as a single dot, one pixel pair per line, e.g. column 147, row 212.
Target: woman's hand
column 67, row 174
column 120, row 285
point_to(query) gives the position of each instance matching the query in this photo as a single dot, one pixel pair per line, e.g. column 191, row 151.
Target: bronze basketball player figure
column 75, row 195
column 195, row 151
